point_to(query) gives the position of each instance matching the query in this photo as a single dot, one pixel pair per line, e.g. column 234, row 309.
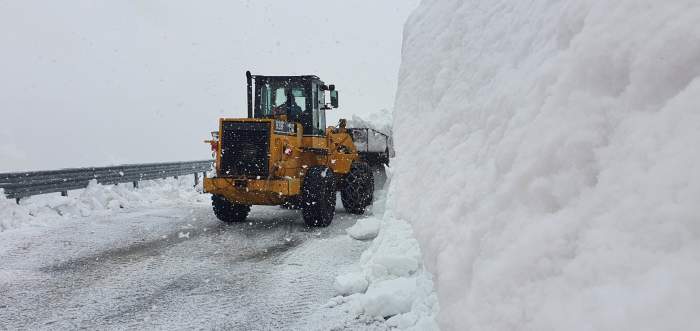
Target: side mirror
column 334, row 99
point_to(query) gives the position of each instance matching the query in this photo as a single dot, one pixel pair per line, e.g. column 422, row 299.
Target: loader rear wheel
column 318, row 196
column 227, row 211
column 358, row 189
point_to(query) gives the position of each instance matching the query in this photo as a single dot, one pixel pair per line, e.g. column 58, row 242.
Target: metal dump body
column 371, row 141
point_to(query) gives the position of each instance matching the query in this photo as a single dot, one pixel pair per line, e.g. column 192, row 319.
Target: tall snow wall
column 548, row 160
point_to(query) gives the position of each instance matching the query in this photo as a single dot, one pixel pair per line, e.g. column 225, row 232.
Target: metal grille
column 245, row 149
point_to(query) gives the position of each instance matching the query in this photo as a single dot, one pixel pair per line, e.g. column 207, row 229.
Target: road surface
column 177, row 268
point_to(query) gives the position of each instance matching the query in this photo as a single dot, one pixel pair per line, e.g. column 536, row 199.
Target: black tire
column 318, row 196
column 357, row 192
column 227, row 211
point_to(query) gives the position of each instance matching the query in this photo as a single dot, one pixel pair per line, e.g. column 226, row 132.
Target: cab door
column 319, row 115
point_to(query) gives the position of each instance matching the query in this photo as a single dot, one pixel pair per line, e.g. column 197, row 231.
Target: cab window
column 299, row 97
column 280, row 96
column 273, row 95
column 319, row 115
column 271, row 100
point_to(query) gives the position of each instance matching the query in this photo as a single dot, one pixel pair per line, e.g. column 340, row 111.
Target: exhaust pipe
column 249, row 79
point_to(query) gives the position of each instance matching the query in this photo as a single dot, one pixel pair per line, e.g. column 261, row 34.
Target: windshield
column 300, row 101
column 276, row 95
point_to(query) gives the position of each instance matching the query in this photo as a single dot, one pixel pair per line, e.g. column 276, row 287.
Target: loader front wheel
column 227, row 211
column 358, row 189
column 318, row 196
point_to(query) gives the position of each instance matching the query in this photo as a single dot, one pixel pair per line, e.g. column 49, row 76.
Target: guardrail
column 19, row 185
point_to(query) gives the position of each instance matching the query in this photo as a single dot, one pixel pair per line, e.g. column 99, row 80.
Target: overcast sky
column 108, row 82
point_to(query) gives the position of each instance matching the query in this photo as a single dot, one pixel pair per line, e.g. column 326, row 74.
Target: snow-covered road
column 176, row 267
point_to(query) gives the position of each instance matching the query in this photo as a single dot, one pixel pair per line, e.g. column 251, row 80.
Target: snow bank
column 546, row 159
column 96, row 200
column 380, row 120
column 351, row 283
column 392, row 283
column 364, row 228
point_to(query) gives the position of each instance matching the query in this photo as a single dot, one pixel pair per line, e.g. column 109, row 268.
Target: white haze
column 106, row 82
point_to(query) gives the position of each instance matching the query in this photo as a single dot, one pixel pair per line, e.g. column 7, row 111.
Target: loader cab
column 300, row 99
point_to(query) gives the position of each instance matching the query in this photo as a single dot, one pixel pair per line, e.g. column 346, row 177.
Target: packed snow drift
column 96, row 199
column 380, row 120
column 364, row 228
column 547, row 161
column 391, row 284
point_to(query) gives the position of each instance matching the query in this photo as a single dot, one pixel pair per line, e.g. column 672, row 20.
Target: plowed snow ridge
column 547, row 160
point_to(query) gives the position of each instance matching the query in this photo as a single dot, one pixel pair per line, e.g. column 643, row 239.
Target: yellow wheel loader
column 283, row 153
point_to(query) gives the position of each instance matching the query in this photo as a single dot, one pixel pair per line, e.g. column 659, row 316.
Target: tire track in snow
column 271, row 272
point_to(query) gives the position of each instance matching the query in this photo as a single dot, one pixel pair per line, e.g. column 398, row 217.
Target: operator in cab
column 289, row 108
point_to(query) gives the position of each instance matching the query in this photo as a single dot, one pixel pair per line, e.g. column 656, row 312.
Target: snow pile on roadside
column 546, row 160
column 11, row 215
column 380, row 120
column 392, row 283
column 96, row 200
column 351, row 283
column 364, row 228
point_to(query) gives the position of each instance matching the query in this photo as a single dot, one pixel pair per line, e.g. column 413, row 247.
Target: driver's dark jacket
column 295, row 114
